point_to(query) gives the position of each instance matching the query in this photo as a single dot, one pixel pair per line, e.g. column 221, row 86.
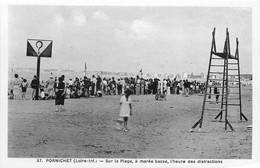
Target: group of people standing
column 95, row 86
column 18, row 85
column 55, row 89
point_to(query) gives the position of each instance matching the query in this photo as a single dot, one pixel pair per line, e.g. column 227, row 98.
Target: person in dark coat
column 60, row 94
column 35, row 85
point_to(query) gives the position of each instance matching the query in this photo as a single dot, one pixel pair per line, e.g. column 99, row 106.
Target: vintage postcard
column 137, row 84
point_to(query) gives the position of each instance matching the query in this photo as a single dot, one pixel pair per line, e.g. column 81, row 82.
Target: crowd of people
column 95, row 86
column 59, row 89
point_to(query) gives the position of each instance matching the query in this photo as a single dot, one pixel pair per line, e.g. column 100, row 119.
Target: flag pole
column 161, row 84
column 85, row 69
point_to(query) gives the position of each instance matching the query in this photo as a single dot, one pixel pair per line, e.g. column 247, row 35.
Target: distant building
column 178, row 76
column 246, row 76
column 202, row 75
column 192, row 76
column 184, row 75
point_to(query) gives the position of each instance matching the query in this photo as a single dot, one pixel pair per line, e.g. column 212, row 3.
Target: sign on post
column 36, row 47
column 39, row 48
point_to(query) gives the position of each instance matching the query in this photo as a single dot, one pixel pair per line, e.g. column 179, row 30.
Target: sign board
column 39, row 48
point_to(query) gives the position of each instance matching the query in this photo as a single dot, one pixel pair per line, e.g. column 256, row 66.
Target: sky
column 128, row 38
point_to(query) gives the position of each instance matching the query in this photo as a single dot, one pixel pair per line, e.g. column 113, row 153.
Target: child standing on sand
column 24, row 86
column 125, row 108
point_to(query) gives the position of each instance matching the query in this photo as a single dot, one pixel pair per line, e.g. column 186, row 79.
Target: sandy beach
column 158, row 129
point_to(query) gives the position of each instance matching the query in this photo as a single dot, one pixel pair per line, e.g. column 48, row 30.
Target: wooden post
column 38, row 76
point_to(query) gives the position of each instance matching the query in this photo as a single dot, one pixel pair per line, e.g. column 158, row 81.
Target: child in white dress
column 125, row 108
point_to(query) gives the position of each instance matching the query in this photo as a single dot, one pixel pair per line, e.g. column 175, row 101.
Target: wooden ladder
column 227, row 65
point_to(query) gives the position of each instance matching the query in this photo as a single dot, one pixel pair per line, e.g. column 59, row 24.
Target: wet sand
column 158, row 129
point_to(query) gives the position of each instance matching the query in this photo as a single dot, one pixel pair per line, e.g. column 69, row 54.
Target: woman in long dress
column 16, row 86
